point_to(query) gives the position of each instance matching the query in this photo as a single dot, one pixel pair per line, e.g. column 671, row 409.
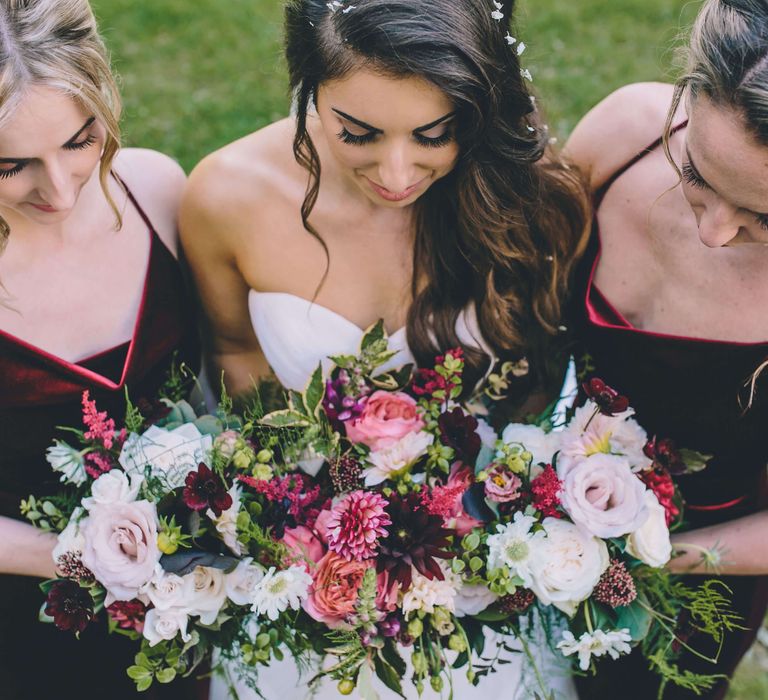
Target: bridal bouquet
column 370, row 521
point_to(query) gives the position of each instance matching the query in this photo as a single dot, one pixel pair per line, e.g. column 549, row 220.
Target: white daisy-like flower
column 511, row 548
column 510, row 39
column 280, row 590
column 427, row 594
column 68, row 461
column 520, row 48
column 348, row 9
column 526, row 74
column 497, row 14
column 597, row 643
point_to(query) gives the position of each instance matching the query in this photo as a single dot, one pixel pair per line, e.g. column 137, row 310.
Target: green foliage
column 133, row 418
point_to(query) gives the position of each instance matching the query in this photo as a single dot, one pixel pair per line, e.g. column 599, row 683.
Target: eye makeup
column 371, row 132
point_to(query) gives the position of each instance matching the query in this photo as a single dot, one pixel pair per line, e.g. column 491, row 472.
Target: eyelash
column 364, row 139
column 77, row 146
column 692, row 178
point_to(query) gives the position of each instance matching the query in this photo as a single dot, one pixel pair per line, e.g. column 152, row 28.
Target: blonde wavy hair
column 55, row 43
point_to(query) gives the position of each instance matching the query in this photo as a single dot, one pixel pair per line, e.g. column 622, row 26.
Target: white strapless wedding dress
column 295, row 335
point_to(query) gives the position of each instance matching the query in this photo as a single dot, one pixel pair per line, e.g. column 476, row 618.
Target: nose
column 719, row 223
column 397, row 170
column 57, row 186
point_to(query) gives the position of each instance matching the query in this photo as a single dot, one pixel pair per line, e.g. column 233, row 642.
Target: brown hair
column 56, row 43
column 503, row 229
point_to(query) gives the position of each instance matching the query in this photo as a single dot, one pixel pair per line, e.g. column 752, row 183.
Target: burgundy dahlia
column 616, row 586
column 608, row 400
column 345, row 473
column 517, row 602
column 356, row 525
column 70, row 605
column 665, row 455
column 459, row 431
column 416, row 539
column 204, row 489
column 128, row 614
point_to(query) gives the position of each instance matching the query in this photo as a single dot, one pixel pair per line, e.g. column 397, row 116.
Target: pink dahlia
column 356, row 523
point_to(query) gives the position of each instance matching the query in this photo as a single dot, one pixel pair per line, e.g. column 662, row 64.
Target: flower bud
column 264, row 456
column 415, row 627
column 456, row 643
column 437, row 683
column 419, row 662
column 167, row 543
column 346, row 686
column 242, row 459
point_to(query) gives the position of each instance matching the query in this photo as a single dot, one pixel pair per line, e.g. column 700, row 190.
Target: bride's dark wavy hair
column 505, row 227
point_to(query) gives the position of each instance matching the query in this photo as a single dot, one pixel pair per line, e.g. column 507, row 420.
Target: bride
column 411, row 185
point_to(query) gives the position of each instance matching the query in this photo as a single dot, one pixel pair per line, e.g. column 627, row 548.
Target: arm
column 741, row 544
column 25, row 550
column 209, row 238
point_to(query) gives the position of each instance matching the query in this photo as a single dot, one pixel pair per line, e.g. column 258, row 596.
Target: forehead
column 384, row 101
column 727, row 155
column 44, row 118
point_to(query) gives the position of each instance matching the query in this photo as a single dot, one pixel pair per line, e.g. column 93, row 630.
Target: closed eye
column 80, row 145
column 15, row 169
column 357, row 139
column 693, row 178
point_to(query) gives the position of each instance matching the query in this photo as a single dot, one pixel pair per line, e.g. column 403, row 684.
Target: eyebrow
column 701, row 177
column 74, row 137
column 418, row 129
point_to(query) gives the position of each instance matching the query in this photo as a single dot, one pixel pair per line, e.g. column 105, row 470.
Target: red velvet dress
column 38, row 392
column 686, row 389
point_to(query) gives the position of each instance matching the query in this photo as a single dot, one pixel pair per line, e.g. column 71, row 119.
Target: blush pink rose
column 386, row 592
column 321, row 525
column 121, row 547
column 333, row 593
column 604, row 497
column 387, row 417
column 459, row 480
column 303, row 546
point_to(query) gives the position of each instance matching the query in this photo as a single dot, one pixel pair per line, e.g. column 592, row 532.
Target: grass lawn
column 196, row 75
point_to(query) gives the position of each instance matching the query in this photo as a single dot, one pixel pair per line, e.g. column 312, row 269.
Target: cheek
column 695, row 197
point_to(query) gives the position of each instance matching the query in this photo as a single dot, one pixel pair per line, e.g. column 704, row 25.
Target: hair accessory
column 497, row 14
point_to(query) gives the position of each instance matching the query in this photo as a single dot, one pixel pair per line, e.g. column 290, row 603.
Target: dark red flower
column 415, row 539
column 517, row 602
column 665, row 455
column 459, row 431
column 426, row 382
column 204, row 489
column 545, row 489
column 70, row 605
column 608, row 400
column 128, row 614
column 153, row 411
column 660, row 482
column 98, row 463
column 616, row 586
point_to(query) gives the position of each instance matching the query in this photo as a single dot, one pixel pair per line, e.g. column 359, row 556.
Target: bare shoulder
column 156, row 181
column 618, row 128
column 233, row 191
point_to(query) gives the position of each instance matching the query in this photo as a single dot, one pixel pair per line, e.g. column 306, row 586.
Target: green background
column 197, row 74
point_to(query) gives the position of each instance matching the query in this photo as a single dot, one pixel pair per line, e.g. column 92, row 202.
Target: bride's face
column 49, row 148
column 392, row 137
column 725, row 176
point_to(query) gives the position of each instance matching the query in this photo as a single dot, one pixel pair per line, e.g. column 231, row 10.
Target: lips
column 390, row 196
column 44, row 207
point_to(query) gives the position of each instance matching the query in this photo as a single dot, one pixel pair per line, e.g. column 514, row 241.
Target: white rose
column 170, row 454
column 239, row 584
column 166, row 590
column 650, row 542
column 387, row 462
column 566, row 565
column 165, row 624
column 603, row 495
column 540, row 444
column 226, row 523
column 114, row 487
column 629, row 439
column 70, row 539
column 208, row 593
column 471, row 600
column 68, row 461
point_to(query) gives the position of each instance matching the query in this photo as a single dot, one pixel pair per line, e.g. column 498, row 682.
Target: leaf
column 372, row 335
column 388, row 675
column 143, row 683
column 209, row 425
column 166, row 675
column 635, row 618
column 491, row 614
column 315, row 391
column 393, row 658
column 138, row 672
column 296, row 402
column 474, row 503
column 182, row 563
column 285, row 419
column 694, row 461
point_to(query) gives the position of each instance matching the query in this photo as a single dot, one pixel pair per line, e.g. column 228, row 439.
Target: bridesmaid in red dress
column 92, row 298
column 672, row 311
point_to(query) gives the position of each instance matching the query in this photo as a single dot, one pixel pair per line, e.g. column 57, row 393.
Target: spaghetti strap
column 638, row 157
column 142, row 213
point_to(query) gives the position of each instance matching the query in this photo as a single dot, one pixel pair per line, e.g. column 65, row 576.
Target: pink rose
column 121, row 547
column 604, row 497
column 303, row 546
column 386, row 592
column 333, row 593
column 386, row 418
column 321, row 525
column 459, row 480
column 502, row 486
